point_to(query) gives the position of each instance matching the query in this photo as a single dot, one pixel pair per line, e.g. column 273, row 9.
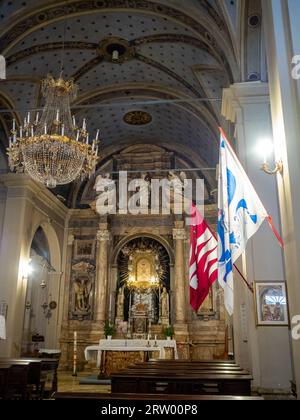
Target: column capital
column 103, row 235
column 179, row 234
column 241, row 94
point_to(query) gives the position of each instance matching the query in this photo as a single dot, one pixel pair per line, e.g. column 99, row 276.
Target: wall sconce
column 26, row 269
column 278, row 168
column 266, row 148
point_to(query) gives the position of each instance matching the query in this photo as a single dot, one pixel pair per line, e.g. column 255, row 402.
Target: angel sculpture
column 82, row 288
column 177, row 191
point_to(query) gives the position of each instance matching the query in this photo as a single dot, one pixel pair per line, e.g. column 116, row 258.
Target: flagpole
column 248, row 285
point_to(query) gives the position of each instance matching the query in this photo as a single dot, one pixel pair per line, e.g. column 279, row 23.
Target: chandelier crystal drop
column 52, row 149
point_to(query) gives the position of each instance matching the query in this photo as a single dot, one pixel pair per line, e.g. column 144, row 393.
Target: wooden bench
column 40, row 372
column 182, row 381
column 149, row 397
column 4, row 378
column 17, row 380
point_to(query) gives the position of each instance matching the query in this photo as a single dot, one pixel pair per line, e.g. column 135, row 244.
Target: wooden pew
column 182, row 381
column 4, row 378
column 149, row 397
column 17, row 380
column 168, row 366
column 41, row 371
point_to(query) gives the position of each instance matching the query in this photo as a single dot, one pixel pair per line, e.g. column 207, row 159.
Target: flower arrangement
column 169, row 332
column 109, row 329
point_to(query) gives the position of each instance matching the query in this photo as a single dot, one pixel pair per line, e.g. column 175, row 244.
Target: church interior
column 98, row 95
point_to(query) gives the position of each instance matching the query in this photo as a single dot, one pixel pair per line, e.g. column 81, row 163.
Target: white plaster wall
column 265, row 351
column 28, row 205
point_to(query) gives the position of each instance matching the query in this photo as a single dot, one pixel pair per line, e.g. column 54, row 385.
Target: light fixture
column 52, row 149
column 26, row 268
column 115, row 55
column 266, row 148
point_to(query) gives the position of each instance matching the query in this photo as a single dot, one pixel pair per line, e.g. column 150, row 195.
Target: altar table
column 137, row 346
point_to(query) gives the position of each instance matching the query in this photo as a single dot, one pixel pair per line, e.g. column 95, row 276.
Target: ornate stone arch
column 145, row 234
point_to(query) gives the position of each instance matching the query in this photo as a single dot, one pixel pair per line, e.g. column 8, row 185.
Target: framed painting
column 271, row 304
column 84, row 249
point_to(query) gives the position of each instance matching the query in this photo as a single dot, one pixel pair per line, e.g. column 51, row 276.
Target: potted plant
column 169, row 332
column 109, row 330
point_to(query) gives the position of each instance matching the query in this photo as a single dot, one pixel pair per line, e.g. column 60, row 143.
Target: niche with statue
column 143, row 296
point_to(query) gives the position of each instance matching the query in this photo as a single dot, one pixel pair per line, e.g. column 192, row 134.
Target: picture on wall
column 84, row 249
column 271, row 304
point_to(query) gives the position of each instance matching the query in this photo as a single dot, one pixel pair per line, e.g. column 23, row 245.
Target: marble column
column 103, row 237
column 180, row 306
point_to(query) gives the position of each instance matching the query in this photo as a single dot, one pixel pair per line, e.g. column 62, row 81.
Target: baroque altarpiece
column 132, row 271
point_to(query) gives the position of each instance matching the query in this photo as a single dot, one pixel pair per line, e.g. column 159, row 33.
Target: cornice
column 20, row 185
column 240, row 94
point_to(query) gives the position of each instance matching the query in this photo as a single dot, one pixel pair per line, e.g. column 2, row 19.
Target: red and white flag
column 203, row 270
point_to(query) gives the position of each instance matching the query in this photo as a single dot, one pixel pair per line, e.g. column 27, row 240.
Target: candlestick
column 75, row 355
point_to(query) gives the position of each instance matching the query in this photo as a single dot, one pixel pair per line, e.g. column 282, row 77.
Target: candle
column 75, row 355
column 45, row 128
column 74, row 121
column 97, row 135
column 63, row 130
column 84, row 124
column 87, row 139
column 57, row 115
column 10, row 142
column 37, row 118
column 77, row 138
column 14, row 124
column 28, row 117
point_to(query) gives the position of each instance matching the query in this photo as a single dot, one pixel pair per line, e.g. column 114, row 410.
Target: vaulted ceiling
column 175, row 55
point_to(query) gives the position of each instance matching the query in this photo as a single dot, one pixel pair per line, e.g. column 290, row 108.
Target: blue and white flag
column 241, row 213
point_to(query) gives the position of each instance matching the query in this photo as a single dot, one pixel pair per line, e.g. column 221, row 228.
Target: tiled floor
column 69, row 383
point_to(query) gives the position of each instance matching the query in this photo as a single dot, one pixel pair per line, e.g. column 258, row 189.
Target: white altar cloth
column 95, row 352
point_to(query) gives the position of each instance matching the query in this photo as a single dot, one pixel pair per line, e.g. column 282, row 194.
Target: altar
column 114, row 355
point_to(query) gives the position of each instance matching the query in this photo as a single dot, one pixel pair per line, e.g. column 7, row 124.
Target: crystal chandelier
column 52, row 149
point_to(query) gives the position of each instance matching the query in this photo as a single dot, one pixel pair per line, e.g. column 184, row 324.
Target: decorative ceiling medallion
column 137, row 118
column 116, row 50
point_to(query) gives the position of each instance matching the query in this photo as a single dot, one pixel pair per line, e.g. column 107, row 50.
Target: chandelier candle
column 52, row 150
